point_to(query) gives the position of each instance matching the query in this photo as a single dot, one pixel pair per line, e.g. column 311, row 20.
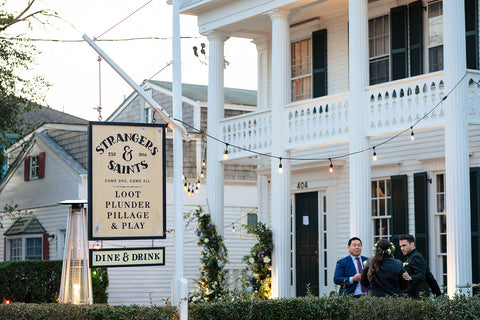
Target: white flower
column 251, row 260
column 205, row 240
column 266, row 259
column 365, row 262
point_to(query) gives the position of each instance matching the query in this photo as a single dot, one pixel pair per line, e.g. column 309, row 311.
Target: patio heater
column 76, row 285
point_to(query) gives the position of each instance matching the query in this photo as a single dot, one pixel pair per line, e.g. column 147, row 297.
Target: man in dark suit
column 415, row 266
column 348, row 271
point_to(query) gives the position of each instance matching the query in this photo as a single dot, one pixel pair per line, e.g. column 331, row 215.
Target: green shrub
column 22, row 311
column 39, row 281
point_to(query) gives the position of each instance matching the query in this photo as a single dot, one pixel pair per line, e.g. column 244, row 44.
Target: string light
column 280, row 167
column 185, row 186
column 233, row 228
column 374, row 157
column 331, row 166
column 198, row 184
column 426, row 114
column 204, row 163
column 202, row 175
column 412, row 135
column 225, row 154
column 196, row 189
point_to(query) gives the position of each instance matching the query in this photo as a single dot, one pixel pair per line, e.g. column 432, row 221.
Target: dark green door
column 306, row 231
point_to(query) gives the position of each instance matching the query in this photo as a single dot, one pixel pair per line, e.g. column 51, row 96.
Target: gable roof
column 49, row 115
column 198, row 92
column 59, row 151
column 25, row 225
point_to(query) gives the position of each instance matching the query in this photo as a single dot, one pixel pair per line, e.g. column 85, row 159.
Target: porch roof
column 25, row 225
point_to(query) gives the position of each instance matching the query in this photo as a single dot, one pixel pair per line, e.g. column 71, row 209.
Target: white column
column 459, row 260
column 180, row 283
column 262, row 72
column 280, row 182
column 360, row 197
column 215, row 112
column 262, row 198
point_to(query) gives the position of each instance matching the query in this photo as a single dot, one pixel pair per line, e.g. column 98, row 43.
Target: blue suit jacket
column 343, row 271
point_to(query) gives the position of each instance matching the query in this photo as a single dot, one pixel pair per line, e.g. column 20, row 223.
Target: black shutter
column 399, row 210
column 398, row 36
column 471, row 33
column 420, row 192
column 415, row 22
column 475, row 223
column 319, row 55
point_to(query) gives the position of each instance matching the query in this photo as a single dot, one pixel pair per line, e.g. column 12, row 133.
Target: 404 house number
column 302, row 185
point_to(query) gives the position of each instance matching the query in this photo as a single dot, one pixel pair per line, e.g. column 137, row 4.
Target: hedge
column 39, row 281
column 330, row 308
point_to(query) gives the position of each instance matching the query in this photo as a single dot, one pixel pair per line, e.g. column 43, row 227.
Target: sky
column 72, row 68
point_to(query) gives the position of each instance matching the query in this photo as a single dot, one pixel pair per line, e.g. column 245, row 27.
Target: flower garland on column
column 257, row 276
column 212, row 282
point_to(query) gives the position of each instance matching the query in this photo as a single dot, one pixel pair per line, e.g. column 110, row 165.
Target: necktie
column 359, row 265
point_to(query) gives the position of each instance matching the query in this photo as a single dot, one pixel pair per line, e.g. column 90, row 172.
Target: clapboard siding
column 139, row 283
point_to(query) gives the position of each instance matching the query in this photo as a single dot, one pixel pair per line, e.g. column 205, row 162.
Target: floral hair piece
column 389, row 251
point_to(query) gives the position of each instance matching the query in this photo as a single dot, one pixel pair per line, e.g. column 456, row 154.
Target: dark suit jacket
column 417, row 269
column 388, row 280
column 343, row 271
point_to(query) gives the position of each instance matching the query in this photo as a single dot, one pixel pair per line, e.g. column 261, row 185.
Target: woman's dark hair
column 378, row 258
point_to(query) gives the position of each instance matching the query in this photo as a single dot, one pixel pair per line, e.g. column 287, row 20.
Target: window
column 379, row 49
column 248, row 216
column 34, row 166
column 15, row 249
column 301, row 70
column 26, row 248
column 381, row 209
column 435, row 36
column 441, row 226
column 33, row 249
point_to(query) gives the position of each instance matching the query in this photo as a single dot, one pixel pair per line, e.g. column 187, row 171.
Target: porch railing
column 392, row 107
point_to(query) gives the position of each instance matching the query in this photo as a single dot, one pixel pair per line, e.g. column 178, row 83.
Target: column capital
column 261, row 42
column 278, row 14
column 216, row 35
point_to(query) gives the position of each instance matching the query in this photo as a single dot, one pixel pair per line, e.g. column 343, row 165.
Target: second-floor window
column 435, row 36
column 301, row 70
column 379, row 49
column 34, row 167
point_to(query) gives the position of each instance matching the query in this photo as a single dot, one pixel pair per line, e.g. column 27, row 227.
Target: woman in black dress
column 382, row 274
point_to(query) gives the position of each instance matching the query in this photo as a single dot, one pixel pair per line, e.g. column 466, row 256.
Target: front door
column 306, row 234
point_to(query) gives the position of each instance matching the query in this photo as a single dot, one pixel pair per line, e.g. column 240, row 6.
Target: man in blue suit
column 348, row 271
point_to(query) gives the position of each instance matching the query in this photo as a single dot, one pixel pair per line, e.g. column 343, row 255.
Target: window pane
column 15, row 249
column 33, row 249
column 374, row 208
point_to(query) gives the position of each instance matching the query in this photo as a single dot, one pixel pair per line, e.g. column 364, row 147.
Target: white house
column 338, row 82
column 50, row 165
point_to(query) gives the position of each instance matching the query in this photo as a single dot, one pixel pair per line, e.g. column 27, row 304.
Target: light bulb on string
column 233, row 228
column 225, row 153
column 374, row 157
column 185, row 186
column 198, row 184
column 196, row 189
column 330, row 169
column 412, row 135
column 280, row 167
column 204, row 163
column 202, row 175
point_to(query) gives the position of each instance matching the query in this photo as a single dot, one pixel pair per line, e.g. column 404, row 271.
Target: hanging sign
column 126, row 181
column 131, row 257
